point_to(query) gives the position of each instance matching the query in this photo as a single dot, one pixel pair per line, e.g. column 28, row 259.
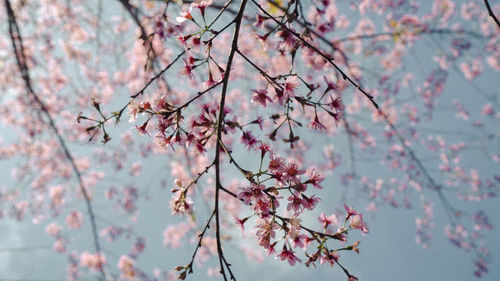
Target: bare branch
column 490, row 12
column 220, row 121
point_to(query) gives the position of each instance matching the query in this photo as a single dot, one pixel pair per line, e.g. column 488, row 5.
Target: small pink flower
column 185, row 15
column 93, row 261
column 350, row 211
column 57, row 195
column 248, row 139
column 265, row 232
column 299, row 241
column 142, row 129
column 246, row 195
column 280, row 95
column 288, row 255
column 288, row 39
column 74, row 220
column 317, row 125
column 261, row 97
column 291, row 84
column 110, row 233
column 180, row 204
column 53, row 229
column 133, row 110
column 59, row 246
column 472, row 69
column 326, row 221
column 488, row 110
column 241, row 223
column 356, row 222
column 210, row 82
column 262, row 207
column 183, row 39
column 310, row 202
column 330, row 85
column 173, row 235
column 259, row 21
column 336, row 104
column 264, row 148
column 188, row 69
column 315, row 179
column 136, row 169
column 276, row 163
column 202, row 5
column 126, row 266
column 293, row 171
column 271, row 250
column 329, row 257
column 295, row 203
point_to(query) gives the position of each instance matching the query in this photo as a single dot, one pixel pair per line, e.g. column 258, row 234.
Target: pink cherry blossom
column 261, row 97
column 74, row 220
column 289, row 256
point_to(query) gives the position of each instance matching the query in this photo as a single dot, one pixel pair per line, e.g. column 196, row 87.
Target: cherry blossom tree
column 280, row 125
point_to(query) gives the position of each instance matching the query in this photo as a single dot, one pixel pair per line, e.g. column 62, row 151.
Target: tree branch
column 134, row 13
column 220, row 121
column 17, row 45
column 320, row 53
column 490, row 12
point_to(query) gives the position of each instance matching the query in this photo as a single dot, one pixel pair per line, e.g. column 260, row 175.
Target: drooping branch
column 444, row 31
column 490, row 12
column 432, row 184
column 18, row 47
column 320, row 53
column 220, row 121
column 134, row 13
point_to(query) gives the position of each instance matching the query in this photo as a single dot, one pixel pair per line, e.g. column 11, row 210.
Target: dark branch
column 234, row 46
column 18, row 46
column 490, row 12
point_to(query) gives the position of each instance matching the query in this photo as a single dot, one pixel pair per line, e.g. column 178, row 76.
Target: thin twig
column 141, row 91
column 200, row 238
